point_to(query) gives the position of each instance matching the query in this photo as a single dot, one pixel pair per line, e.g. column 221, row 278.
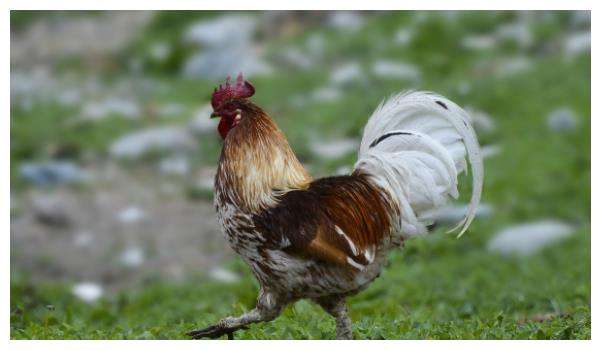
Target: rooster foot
column 215, row 331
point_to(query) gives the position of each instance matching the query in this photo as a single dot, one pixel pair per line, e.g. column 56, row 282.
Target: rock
column 223, row 275
column 464, row 87
column 217, row 63
column 403, row 36
column 316, row 44
column 131, row 215
column 201, row 123
column 581, row 19
column 171, row 109
column 226, row 30
column 529, row 238
column 123, row 107
column 518, row 32
column 562, row 119
column 160, row 51
column 297, row 58
column 83, row 239
column 343, row 170
column 481, row 121
column 88, row 291
column 132, row 257
column 53, row 173
column 160, row 139
column 395, row 70
column 453, row 213
column 346, row 73
column 326, row 94
column 334, row 149
column 345, row 20
column 512, row 66
column 227, row 48
column 489, row 151
column 69, row 97
column 51, row 211
column 176, row 165
column 577, row 43
column 479, row 42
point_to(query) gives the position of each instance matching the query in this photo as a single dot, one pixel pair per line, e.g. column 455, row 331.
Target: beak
column 214, row 115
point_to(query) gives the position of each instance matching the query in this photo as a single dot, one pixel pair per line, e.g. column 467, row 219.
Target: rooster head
column 228, row 101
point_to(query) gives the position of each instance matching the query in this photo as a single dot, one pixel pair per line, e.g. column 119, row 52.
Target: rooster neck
column 257, row 163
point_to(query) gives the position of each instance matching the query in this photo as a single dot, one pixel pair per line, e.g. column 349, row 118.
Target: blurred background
column 113, row 156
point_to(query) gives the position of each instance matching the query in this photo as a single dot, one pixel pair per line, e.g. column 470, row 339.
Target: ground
column 437, row 287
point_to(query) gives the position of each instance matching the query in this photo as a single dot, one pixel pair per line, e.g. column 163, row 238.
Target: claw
column 214, row 331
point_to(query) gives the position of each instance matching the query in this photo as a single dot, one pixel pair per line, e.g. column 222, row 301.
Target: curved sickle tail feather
column 414, row 146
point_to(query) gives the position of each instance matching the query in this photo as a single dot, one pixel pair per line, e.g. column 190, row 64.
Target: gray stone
column 529, row 238
column 162, row 139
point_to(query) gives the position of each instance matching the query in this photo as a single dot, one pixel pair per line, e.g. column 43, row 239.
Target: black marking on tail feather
column 440, row 103
column 385, row 136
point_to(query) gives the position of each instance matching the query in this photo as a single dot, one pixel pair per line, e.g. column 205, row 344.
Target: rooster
column 327, row 239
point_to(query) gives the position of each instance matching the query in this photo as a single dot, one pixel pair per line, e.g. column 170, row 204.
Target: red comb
column 242, row 89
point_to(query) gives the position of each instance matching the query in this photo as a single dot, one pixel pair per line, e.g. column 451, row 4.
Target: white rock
column 479, row 42
column 123, row 107
column 227, row 48
column 512, row 66
column 226, row 30
column 453, row 213
column 206, row 178
column 347, row 73
column 482, row 121
column 88, row 291
column 131, row 215
column 345, row 20
column 297, row 58
column 464, row 87
column 334, row 149
column 176, row 165
column 489, row 151
column 326, row 94
column 132, row 257
column 527, row 239
column 343, row 170
column 165, row 139
column 223, row 275
column 562, row 119
column 202, row 123
column 395, row 70
column 581, row 18
column 316, row 44
column 83, row 239
column 50, row 173
column 216, row 63
column 160, row 51
column 518, row 32
column 403, row 36
column 577, row 43
column 171, row 109
column 69, row 97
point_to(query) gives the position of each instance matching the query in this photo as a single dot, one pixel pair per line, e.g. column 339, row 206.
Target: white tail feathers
column 414, row 145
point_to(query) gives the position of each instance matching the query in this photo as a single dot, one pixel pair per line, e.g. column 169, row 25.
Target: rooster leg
column 336, row 307
column 266, row 310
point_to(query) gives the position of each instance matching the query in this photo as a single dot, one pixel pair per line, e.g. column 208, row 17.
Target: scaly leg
column 336, row 306
column 267, row 309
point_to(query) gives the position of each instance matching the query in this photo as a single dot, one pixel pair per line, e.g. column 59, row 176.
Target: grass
column 438, row 287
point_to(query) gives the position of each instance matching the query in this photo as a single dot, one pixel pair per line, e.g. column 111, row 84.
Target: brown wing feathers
column 339, row 219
